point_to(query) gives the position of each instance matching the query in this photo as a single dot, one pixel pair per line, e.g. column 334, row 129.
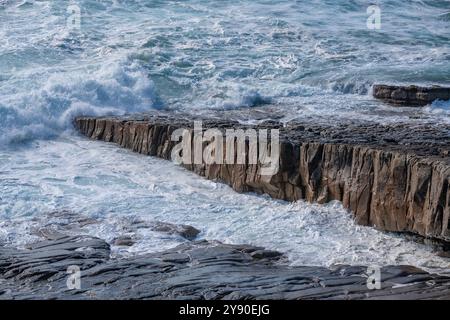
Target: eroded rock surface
column 410, row 95
column 195, row 270
column 394, row 177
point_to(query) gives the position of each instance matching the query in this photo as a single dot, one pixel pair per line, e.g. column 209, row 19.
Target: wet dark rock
column 175, row 257
column 410, row 95
column 48, row 261
column 394, row 177
column 265, row 254
column 124, row 241
column 444, row 254
column 196, row 270
column 390, row 140
column 188, row 232
column 185, row 231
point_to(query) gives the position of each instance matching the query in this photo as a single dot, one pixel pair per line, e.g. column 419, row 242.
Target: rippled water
column 306, row 59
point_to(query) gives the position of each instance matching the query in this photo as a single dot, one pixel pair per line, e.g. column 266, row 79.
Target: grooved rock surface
column 410, row 95
column 195, row 270
column 395, row 177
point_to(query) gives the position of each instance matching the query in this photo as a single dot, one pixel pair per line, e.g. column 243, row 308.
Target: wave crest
column 44, row 112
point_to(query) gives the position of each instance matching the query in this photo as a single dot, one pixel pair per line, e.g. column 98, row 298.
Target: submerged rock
column 124, row 241
column 410, row 95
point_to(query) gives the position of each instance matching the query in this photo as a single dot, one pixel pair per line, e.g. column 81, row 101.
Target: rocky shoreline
column 395, row 178
column 392, row 177
column 196, row 270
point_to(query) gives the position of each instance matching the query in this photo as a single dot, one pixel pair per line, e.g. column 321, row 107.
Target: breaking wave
column 306, row 58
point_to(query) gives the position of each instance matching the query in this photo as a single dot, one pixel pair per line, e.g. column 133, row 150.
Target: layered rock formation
column 395, row 178
column 410, row 95
column 194, row 270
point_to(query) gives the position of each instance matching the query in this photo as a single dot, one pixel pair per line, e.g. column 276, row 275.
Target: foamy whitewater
column 306, row 59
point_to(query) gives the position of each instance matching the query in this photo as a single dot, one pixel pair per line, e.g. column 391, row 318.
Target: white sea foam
column 440, row 108
column 46, row 111
column 314, row 59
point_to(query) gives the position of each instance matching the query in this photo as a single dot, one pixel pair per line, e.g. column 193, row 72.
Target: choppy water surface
column 306, row 59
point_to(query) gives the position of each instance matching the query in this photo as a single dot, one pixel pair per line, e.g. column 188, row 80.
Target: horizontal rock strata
column 395, row 178
column 195, row 270
column 410, row 95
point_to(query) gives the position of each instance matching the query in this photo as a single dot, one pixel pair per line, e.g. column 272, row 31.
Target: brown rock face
column 410, row 95
column 395, row 178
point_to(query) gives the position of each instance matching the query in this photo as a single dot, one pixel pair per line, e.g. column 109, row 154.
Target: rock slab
column 196, row 270
column 395, row 178
column 410, row 95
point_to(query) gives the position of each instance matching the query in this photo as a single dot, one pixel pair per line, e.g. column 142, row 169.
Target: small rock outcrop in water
column 195, row 270
column 410, row 95
column 185, row 231
column 123, row 241
column 394, row 177
column 182, row 230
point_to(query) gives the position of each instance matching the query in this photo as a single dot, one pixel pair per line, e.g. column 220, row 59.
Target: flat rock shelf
column 395, row 178
column 412, row 96
column 195, row 270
